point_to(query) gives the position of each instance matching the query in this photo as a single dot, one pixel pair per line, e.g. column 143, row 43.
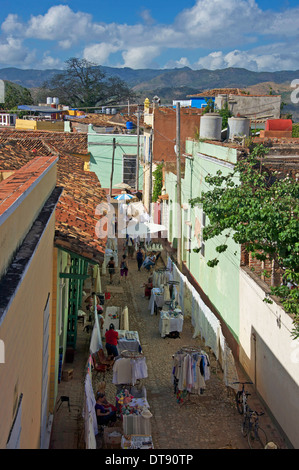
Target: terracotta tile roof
column 61, row 142
column 225, row 91
column 108, row 120
column 75, row 213
column 12, row 188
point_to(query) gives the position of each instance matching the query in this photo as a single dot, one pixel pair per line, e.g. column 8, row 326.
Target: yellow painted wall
column 5, row 174
column 86, row 159
column 34, row 125
column 22, row 333
column 54, row 320
column 25, row 124
column 15, row 228
column 50, row 126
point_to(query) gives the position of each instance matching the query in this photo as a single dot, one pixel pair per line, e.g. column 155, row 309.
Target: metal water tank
column 113, row 111
column 49, row 100
column 56, row 101
column 210, row 126
column 238, row 127
column 108, row 111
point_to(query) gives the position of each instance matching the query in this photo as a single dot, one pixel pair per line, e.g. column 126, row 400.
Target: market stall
column 131, row 398
column 171, row 321
column 129, row 367
column 128, row 341
column 112, row 315
column 156, row 300
column 137, row 442
column 190, row 371
column 135, row 413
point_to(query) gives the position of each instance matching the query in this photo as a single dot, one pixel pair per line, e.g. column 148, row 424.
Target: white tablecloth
column 111, row 312
column 169, row 323
column 128, row 344
column 156, row 298
column 136, row 424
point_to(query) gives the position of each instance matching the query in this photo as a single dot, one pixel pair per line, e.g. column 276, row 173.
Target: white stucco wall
column 269, row 355
column 2, row 91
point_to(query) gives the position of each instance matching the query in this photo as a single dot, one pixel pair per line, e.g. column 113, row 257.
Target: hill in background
column 170, row 84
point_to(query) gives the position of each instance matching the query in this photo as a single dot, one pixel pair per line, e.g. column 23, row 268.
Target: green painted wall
column 61, row 305
column 220, row 283
column 100, row 147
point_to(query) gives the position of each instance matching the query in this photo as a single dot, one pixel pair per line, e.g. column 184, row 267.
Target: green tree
column 16, row 95
column 259, row 210
column 158, row 182
column 209, row 107
column 83, row 84
column 225, row 113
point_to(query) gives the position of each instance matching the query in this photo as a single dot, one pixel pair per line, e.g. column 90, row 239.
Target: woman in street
column 124, row 267
column 111, row 268
column 111, row 337
column 139, row 258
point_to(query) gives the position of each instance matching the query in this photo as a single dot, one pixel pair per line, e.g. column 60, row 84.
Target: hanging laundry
column 191, row 370
column 127, row 370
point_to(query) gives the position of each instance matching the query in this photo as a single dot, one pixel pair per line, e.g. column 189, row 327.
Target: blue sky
column 259, row 35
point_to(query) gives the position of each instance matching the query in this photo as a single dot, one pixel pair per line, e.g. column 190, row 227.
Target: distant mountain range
column 160, row 78
column 171, row 84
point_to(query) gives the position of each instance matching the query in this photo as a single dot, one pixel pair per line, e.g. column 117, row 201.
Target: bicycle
column 241, row 398
column 256, row 436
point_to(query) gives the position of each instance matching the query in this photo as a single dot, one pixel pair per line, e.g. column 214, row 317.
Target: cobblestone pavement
column 208, row 421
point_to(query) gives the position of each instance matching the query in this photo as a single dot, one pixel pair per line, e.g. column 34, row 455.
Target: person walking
column 124, row 267
column 111, row 268
column 111, row 337
column 139, row 258
column 131, row 248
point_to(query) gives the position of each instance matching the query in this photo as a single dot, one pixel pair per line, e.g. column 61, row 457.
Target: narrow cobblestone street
column 208, row 421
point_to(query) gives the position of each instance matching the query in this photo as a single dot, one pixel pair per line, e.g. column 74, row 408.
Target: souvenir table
column 128, row 340
column 111, row 315
column 137, row 442
column 171, row 320
column 156, row 299
column 135, row 413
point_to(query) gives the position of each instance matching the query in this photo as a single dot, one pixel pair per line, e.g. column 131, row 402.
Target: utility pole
column 178, row 166
column 112, row 168
column 151, row 174
column 138, row 146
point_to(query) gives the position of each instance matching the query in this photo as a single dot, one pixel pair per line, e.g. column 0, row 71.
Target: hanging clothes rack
column 191, row 369
column 129, row 367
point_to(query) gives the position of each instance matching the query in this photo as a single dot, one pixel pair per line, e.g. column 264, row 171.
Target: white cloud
column 268, row 58
column 13, row 52
column 99, row 53
column 49, row 62
column 12, row 25
column 140, row 57
column 65, row 44
column 147, row 17
column 61, row 23
column 182, row 62
column 221, row 29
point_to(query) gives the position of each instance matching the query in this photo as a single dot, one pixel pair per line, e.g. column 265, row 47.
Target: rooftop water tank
column 49, row 100
column 238, row 127
column 129, row 125
column 210, row 126
column 56, row 100
column 108, row 111
column 113, row 111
